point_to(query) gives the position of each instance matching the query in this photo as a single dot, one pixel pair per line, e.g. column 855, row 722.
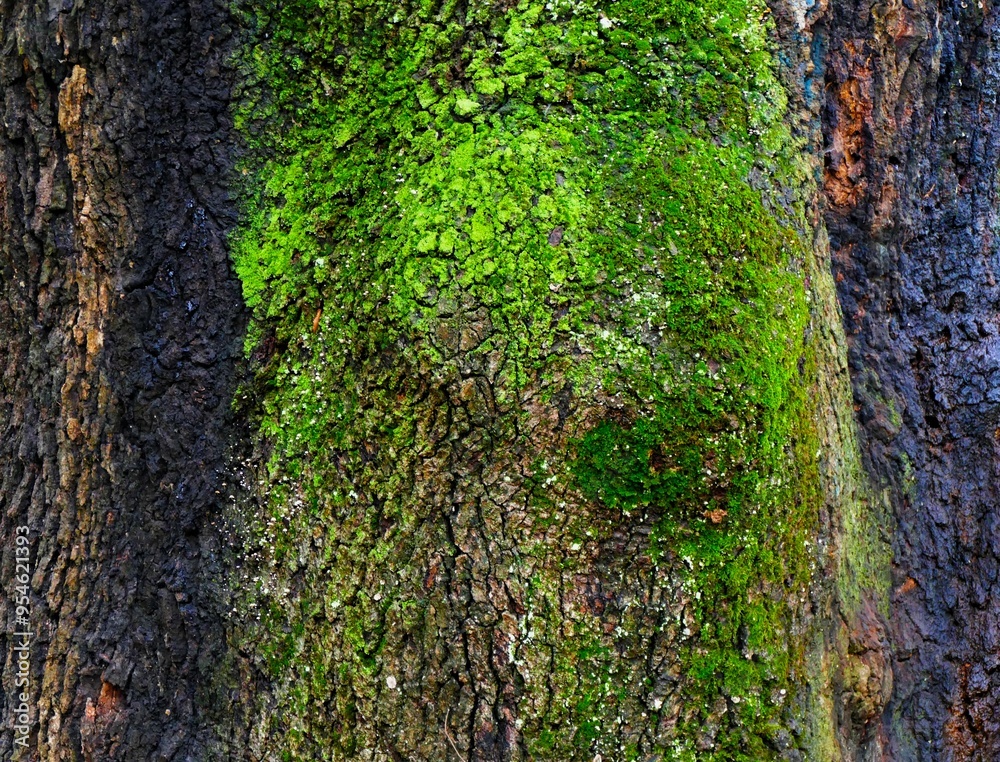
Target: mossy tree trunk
column 545, row 442
column 547, row 362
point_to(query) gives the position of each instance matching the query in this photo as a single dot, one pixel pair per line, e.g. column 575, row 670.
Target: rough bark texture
column 120, row 321
column 913, row 140
column 545, row 480
column 496, row 522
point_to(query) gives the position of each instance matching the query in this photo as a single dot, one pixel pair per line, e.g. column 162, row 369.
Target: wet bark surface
column 912, row 142
column 121, row 322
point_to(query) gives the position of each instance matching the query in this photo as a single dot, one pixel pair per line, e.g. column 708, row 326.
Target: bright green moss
column 545, row 196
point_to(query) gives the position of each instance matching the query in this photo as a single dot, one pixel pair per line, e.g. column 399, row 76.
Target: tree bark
column 912, row 137
column 453, row 515
column 502, row 517
column 121, row 323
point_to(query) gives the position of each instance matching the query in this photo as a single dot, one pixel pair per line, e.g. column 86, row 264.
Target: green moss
column 445, row 198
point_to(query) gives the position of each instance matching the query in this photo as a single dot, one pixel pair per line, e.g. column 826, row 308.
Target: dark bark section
column 121, row 324
column 912, row 146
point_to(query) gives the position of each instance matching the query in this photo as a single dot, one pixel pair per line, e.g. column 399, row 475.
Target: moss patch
column 465, row 217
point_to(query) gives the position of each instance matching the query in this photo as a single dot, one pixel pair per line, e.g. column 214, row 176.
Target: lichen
column 514, row 292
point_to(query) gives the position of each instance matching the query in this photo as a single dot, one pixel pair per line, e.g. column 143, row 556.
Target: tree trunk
column 496, row 405
column 912, row 125
column 121, row 323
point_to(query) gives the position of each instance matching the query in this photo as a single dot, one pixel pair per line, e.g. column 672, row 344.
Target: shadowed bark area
column 120, row 323
column 912, row 146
